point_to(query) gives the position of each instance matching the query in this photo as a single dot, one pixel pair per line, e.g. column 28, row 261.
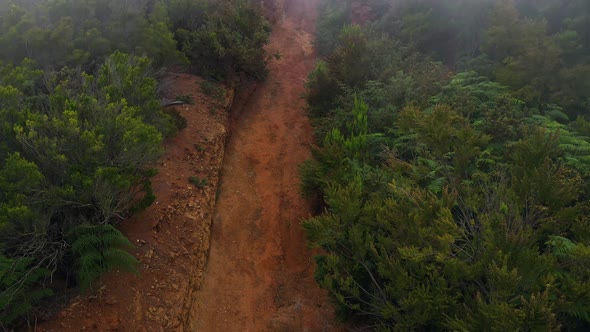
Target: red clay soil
column 260, row 272
column 172, row 235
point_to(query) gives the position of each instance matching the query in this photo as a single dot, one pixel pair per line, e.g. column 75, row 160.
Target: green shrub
column 21, row 287
column 231, row 39
column 199, row 183
column 187, row 99
column 179, row 121
column 212, row 90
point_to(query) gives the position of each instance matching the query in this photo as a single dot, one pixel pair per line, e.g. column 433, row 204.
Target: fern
column 579, row 312
column 437, row 184
column 100, row 249
column 558, row 116
column 560, row 246
column 20, row 287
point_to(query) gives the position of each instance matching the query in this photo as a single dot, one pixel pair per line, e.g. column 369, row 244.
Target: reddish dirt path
column 260, row 274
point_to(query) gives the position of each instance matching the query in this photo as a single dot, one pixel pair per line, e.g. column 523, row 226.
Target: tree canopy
column 454, row 170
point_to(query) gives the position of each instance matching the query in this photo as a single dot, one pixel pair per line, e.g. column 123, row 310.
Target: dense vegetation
column 454, row 172
column 81, row 125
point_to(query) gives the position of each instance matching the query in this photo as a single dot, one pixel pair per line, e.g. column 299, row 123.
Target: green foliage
column 83, row 33
column 230, row 39
column 199, row 183
column 354, row 146
column 148, row 194
column 572, row 140
column 472, row 92
column 99, row 249
column 21, row 287
column 179, row 121
column 333, row 15
column 454, row 200
column 446, row 30
column 188, row 99
column 537, row 48
column 72, row 154
column 451, row 242
column 213, row 90
column 372, row 67
column 230, row 34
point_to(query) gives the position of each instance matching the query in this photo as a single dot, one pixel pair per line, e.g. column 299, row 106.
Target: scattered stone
column 110, row 300
column 149, row 254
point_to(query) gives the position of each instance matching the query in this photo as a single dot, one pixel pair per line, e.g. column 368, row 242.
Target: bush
column 199, row 183
column 333, row 15
column 22, row 286
column 179, row 121
column 187, row 99
column 77, row 159
column 212, row 90
column 231, row 39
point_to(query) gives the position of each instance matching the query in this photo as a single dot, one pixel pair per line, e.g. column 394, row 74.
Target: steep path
column 260, row 273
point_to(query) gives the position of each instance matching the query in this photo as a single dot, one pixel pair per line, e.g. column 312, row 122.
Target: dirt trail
column 260, row 273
